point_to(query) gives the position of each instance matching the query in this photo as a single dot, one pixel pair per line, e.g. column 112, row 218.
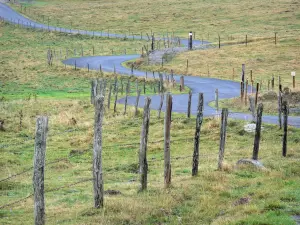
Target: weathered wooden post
column 222, row 138
column 273, row 82
column 219, row 40
column 242, row 92
column 252, row 108
column 257, row 131
column 39, row 169
column 182, row 82
column 160, row 105
column 116, row 99
column 109, row 96
column 167, row 135
column 189, row 105
column 275, row 38
column 294, row 78
column 137, row 102
column 143, row 144
column 285, row 109
column 217, row 99
column 93, row 90
column 256, row 94
column 246, row 92
column 97, row 152
column 144, row 86
column 199, row 121
column 152, row 43
column 280, row 106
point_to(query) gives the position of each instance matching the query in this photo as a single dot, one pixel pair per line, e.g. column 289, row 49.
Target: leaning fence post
column 217, row 99
column 285, row 110
column 199, row 120
column 137, row 102
column 182, row 82
column 222, row 138
column 97, row 162
column 256, row 94
column 160, row 105
column 167, row 135
column 257, row 131
column 280, row 107
column 39, row 169
column 252, row 108
column 189, row 104
column 143, row 144
column 93, row 90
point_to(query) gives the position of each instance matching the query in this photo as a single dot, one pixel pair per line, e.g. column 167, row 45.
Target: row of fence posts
column 98, row 102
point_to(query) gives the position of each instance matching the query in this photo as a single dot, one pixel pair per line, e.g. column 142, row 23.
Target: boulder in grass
column 253, row 162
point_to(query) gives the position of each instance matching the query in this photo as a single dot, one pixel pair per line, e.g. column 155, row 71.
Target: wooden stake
column 199, row 121
column 285, row 110
column 167, row 136
column 189, row 104
column 39, row 169
column 222, row 138
column 97, row 153
column 143, row 145
column 257, row 131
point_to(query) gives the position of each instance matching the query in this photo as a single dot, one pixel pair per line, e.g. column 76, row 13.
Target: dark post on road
column 190, row 40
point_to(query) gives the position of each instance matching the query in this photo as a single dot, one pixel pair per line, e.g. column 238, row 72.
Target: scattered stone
column 297, row 219
column 255, row 163
column 242, row 201
column 112, row 192
column 251, row 127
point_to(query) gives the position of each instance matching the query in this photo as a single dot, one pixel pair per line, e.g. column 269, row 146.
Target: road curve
column 227, row 89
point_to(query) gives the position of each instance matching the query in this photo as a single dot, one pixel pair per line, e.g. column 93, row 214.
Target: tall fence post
column 167, row 135
column 143, row 144
column 285, row 110
column 182, row 82
column 217, row 99
column 97, row 152
column 257, row 131
column 199, row 121
column 280, row 107
column 252, row 108
column 222, row 138
column 137, row 102
column 189, row 105
column 160, row 105
column 39, row 169
column 256, row 94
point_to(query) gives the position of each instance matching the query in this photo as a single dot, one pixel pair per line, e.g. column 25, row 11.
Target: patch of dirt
column 242, row 201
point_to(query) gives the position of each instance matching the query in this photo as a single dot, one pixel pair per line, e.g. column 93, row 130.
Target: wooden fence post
column 160, row 105
column 143, row 144
column 285, row 109
column 256, row 94
column 93, row 90
column 182, row 82
column 280, row 107
column 257, row 131
column 252, row 108
column 217, row 99
column 222, row 138
column 39, row 169
column 97, row 152
column 137, row 102
column 167, row 135
column 199, row 121
column 246, row 92
column 109, row 96
column 189, row 105
column 116, row 99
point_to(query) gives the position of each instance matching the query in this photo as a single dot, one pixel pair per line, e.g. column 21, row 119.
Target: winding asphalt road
column 227, row 89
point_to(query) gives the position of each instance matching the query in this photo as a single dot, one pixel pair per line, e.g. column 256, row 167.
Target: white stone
column 251, row 127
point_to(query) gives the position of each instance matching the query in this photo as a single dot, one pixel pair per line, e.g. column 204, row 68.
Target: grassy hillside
column 206, row 18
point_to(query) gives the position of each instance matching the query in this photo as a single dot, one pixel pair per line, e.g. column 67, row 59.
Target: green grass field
column 243, row 195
